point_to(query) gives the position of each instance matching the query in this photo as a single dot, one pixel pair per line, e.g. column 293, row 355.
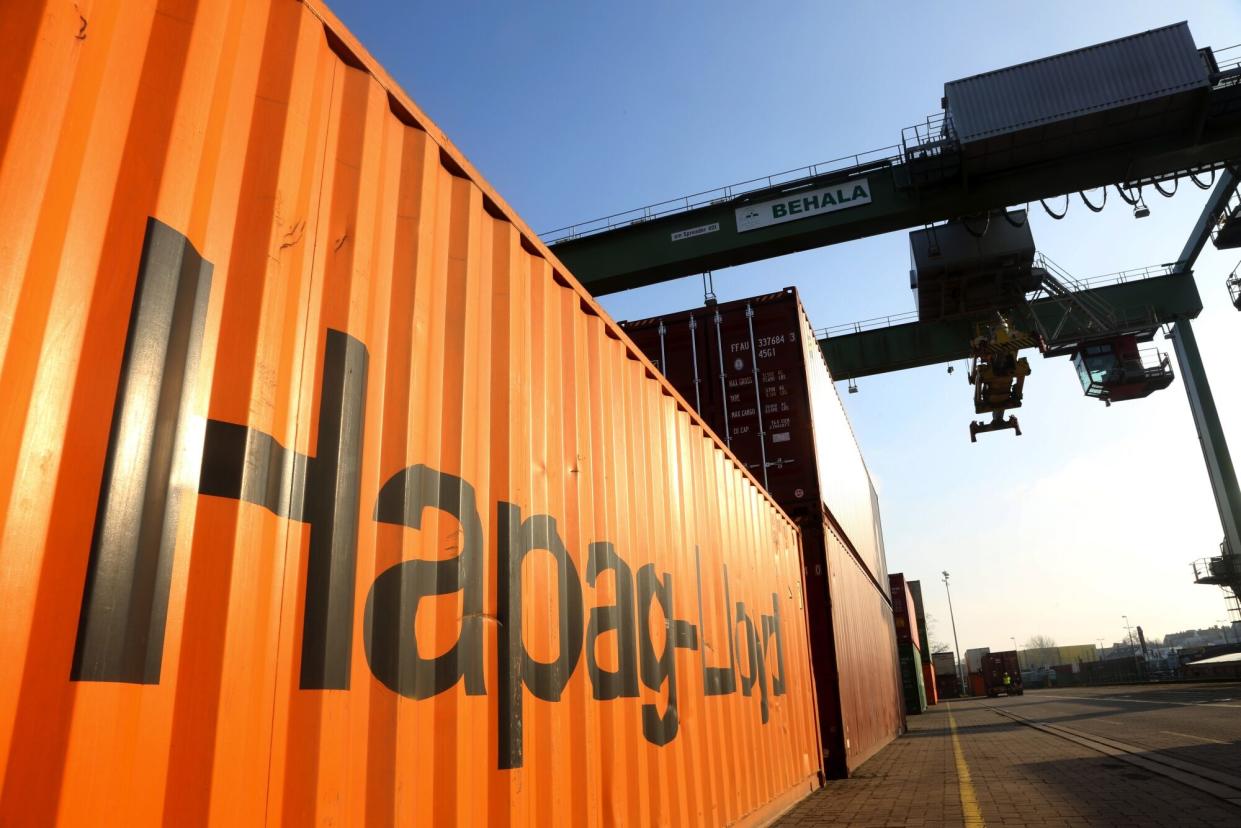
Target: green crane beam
column 656, row 250
column 936, row 174
column 1158, row 299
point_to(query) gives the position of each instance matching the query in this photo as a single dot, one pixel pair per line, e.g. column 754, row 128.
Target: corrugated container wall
column 867, row 663
column 1091, row 101
column 778, row 411
column 904, row 612
column 945, row 664
column 973, row 658
column 911, row 679
column 1043, row 657
column 996, row 665
column 326, row 495
column 1078, row 653
column 754, row 369
column 928, row 682
column 924, row 636
column 1120, row 73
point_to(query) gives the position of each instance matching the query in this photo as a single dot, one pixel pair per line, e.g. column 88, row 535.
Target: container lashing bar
column 758, row 397
column 719, row 341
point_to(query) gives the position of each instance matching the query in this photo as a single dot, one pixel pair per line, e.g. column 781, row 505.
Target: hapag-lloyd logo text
column 124, row 605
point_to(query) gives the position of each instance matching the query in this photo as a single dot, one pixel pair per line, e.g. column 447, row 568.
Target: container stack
column 928, row 671
column 947, row 680
column 909, row 645
column 330, row 498
column 754, row 371
column 929, row 683
column 975, row 685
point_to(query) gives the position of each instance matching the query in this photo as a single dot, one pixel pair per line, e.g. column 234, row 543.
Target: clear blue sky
column 576, row 110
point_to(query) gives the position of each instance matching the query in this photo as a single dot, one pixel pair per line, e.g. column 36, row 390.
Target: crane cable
column 970, row 230
column 1164, row 192
column 1130, row 200
column 1093, row 208
column 1052, row 213
column 1193, row 176
column 1025, row 211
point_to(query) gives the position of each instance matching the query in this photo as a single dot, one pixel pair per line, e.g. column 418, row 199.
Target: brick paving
column 1020, row 777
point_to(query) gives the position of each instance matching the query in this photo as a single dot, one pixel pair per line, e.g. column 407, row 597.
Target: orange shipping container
column 326, row 495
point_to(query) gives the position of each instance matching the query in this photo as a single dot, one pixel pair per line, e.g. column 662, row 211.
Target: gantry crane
column 1148, row 110
column 985, row 150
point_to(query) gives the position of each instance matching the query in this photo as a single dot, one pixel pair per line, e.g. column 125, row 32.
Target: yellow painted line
column 969, row 800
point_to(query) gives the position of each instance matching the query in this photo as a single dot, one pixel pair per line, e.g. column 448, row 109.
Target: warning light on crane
column 998, row 374
column 1115, row 369
column 1234, row 287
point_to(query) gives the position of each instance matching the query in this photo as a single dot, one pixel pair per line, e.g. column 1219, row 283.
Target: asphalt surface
column 967, row 762
column 1193, row 722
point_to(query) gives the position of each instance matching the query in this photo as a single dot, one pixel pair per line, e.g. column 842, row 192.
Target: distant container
column 915, row 592
column 912, row 682
column 903, row 612
column 945, row 664
column 1079, row 101
column 1043, row 657
column 329, row 498
column 865, row 680
column 754, row 370
column 1078, row 653
column 977, row 685
column 929, row 684
column 973, row 659
column 924, row 637
column 1222, row 666
column 947, row 686
column 998, row 666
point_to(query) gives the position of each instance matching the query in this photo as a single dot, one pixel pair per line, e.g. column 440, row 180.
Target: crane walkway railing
column 933, row 139
column 1079, row 286
column 858, row 162
column 1228, row 60
column 1071, row 295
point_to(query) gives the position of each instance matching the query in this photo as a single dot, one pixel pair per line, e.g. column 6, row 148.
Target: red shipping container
column 754, row 370
column 903, row 611
column 928, row 678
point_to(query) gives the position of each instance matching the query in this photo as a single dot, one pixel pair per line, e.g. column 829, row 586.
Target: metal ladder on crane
column 1073, row 298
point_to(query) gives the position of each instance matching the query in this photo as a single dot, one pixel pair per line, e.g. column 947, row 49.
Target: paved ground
column 1199, row 722
column 998, row 771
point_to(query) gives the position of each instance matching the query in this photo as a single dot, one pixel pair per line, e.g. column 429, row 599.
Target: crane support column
column 1210, row 433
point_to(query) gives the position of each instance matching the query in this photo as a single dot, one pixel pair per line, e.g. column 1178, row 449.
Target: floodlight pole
column 952, row 616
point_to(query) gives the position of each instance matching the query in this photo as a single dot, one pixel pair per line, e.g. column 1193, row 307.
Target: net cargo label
column 803, row 205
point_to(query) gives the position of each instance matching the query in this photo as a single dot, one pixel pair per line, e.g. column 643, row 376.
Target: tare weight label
column 803, row 205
